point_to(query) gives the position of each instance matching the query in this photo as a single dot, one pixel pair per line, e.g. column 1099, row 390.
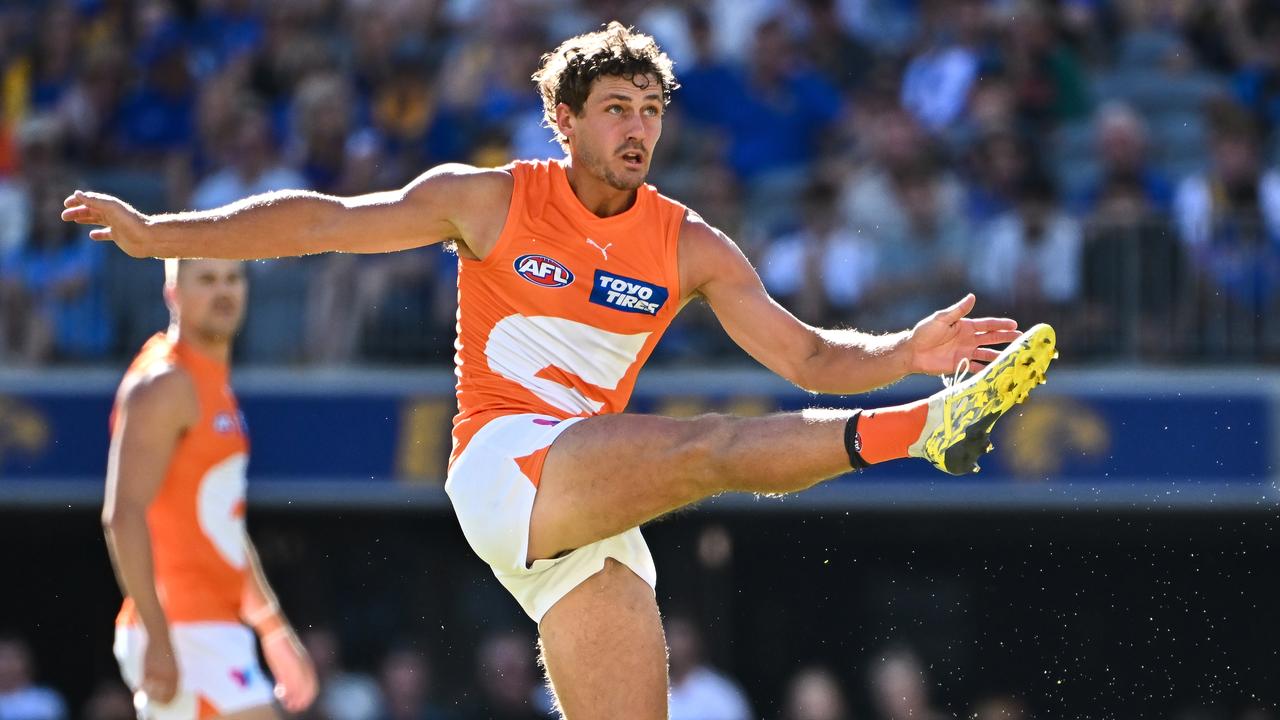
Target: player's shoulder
column 707, row 254
column 474, row 173
column 698, row 234
column 459, row 182
column 163, row 387
column 467, row 195
column 471, row 175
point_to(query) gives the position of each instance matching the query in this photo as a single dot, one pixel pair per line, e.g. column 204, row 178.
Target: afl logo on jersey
column 543, row 271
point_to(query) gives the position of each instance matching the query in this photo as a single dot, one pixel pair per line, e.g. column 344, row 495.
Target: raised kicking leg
column 610, row 473
column 602, row 642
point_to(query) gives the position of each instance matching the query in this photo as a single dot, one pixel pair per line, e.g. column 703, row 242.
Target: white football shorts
column 492, row 485
column 218, row 671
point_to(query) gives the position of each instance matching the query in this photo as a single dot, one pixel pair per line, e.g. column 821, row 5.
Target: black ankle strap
column 853, row 442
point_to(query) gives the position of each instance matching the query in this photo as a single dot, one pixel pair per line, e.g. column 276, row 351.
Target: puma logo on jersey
column 603, row 250
column 225, row 422
column 627, row 294
column 543, row 271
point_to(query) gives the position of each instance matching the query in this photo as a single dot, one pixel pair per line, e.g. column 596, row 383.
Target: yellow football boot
column 958, row 428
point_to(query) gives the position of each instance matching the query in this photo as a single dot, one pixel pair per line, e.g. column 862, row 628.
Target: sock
column 885, row 433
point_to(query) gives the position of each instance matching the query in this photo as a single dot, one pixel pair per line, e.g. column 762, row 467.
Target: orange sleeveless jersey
column 197, row 517
column 559, row 317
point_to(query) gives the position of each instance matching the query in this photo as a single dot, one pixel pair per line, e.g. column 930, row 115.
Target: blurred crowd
column 507, row 685
column 1106, row 165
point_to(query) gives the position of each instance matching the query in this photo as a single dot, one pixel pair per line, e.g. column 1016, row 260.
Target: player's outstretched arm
column 821, row 360
column 295, row 674
column 299, row 222
column 153, row 414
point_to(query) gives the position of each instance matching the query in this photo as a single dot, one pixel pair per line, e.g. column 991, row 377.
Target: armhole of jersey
column 132, row 378
column 679, row 213
column 141, row 364
column 515, row 208
column 177, row 366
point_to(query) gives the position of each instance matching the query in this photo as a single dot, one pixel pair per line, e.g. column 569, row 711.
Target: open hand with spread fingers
column 940, row 342
column 117, row 221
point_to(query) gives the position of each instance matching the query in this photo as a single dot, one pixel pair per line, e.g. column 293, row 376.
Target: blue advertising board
column 1104, row 432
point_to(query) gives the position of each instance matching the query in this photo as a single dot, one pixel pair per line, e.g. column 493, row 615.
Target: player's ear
column 565, row 120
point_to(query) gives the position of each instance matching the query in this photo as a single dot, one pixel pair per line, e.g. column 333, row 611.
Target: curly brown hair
column 566, row 73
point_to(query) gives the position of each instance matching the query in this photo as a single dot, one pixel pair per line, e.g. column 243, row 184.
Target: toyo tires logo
column 543, row 271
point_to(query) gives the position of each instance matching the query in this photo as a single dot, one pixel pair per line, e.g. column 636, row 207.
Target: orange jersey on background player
column 197, row 517
column 560, row 316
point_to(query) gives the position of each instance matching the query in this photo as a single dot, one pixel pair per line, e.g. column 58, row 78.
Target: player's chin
column 224, row 330
column 630, row 178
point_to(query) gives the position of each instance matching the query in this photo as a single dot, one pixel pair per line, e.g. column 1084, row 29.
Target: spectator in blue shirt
column 225, row 31
column 838, row 53
column 1121, row 137
column 159, row 117
column 1257, row 81
column 53, row 304
column 1228, row 218
column 20, row 697
column 995, row 165
column 774, row 110
column 53, row 60
column 937, row 82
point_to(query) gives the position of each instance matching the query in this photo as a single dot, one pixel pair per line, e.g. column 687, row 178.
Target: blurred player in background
column 569, row 273
column 174, row 520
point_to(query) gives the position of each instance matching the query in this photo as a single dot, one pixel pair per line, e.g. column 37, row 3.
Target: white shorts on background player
column 493, row 500
column 218, row 671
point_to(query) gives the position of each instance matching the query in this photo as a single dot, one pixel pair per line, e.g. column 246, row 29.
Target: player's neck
column 599, row 197
column 212, row 348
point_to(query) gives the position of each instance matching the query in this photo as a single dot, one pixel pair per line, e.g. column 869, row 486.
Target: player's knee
column 704, row 452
